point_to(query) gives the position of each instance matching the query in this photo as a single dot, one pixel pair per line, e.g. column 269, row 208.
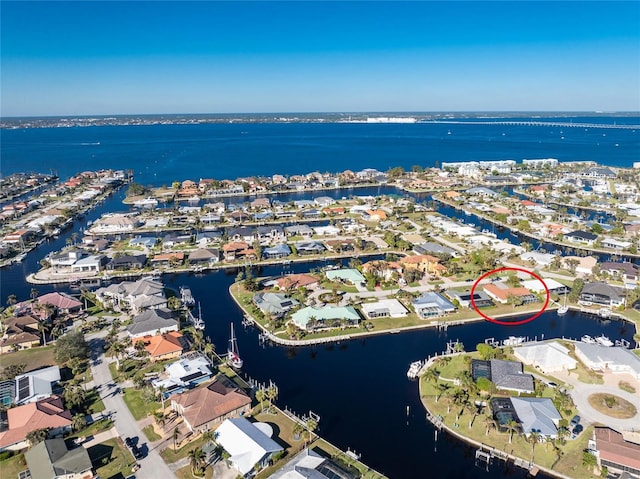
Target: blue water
column 160, row 154
column 355, row 384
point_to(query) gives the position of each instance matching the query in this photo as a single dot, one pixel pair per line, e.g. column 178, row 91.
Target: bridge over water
column 538, row 123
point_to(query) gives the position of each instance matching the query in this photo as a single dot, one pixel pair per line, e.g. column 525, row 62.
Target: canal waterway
column 359, row 388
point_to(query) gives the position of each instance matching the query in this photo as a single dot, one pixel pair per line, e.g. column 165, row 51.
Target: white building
column 249, row 444
column 607, row 359
column 541, row 163
column 385, row 308
column 547, row 357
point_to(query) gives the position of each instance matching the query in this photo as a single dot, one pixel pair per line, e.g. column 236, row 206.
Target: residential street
column 152, row 465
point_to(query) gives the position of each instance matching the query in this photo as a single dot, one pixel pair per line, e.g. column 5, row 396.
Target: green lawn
column 10, row 468
column 34, row 358
column 93, row 403
column 93, row 429
column 170, row 456
column 111, row 459
column 138, row 405
column 151, row 433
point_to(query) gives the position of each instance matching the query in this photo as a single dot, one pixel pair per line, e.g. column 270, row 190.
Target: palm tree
column 431, row 374
column 42, row 327
column 175, row 435
column 161, row 390
column 33, row 294
column 442, row 389
column 209, row 349
column 11, row 300
column 488, row 424
column 196, row 457
column 534, row 438
column 311, row 425
column 272, row 393
column 160, row 418
column 79, row 422
column 118, row 349
column 512, row 426
column 261, row 395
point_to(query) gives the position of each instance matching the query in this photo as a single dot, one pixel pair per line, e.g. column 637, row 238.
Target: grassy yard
column 10, row 468
column 151, row 434
column 185, row 473
column 170, row 456
column 34, row 358
column 93, row 403
column 111, row 459
column 567, row 458
column 93, row 429
column 139, row 406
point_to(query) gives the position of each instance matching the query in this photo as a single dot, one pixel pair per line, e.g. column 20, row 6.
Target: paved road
column 152, row 465
column 581, row 392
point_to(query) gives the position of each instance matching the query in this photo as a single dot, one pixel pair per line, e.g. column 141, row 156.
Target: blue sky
column 73, row 58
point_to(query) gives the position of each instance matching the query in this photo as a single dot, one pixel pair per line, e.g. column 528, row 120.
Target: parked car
column 130, row 442
column 578, row 429
column 137, row 452
column 575, row 421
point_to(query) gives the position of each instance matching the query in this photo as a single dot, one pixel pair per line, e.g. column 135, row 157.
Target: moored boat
column 233, row 357
column 604, row 341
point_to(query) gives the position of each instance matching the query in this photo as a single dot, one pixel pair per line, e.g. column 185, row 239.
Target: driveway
column 152, row 466
column 581, row 392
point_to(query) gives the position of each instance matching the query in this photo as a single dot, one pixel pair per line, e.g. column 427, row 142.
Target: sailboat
column 564, row 308
column 233, row 357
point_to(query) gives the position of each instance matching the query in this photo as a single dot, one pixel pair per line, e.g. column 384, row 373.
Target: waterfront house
column 432, row 305
column 163, row 346
column 608, row 359
column 346, row 275
column 627, row 272
column 463, row 298
column 115, row 223
column 62, row 302
column 186, row 373
column 294, row 281
column 618, row 454
column 383, row 269
column 165, row 259
column 152, row 322
column 328, row 230
column 384, row 308
column 583, row 264
column 599, row 172
column 249, row 445
column 36, row 385
column 206, row 256
column 434, row 249
column 268, row 234
column 207, row 238
column 308, row 464
column 63, row 261
column 501, row 293
column 553, row 286
column 547, row 357
column 145, row 293
column 537, row 415
column 278, row 251
column 540, row 259
column 299, row 230
column 311, row 318
column 603, row 294
column 309, row 247
column 92, row 263
column 274, row 304
column 50, row 459
column 616, row 244
column 127, row 262
column 323, row 201
column 506, row 375
column 204, row 407
column 482, row 191
column 47, row 413
column 582, row 237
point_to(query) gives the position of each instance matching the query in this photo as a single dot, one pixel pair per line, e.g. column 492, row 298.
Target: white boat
column 604, row 312
column 513, row 341
column 198, row 323
column 604, row 341
column 587, row 339
column 564, row 308
column 233, row 357
column 414, row 369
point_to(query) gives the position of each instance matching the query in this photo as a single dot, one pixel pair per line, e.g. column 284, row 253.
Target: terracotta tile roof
column 162, row 344
column 614, row 448
column 296, row 280
column 505, row 293
column 235, row 246
column 420, row 258
column 47, row 413
column 205, row 404
column 59, row 300
column 179, row 255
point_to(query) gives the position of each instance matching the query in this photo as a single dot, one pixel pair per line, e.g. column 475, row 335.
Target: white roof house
column 247, row 443
column 603, row 358
column 36, row 385
column 384, row 308
column 547, row 357
column 536, row 286
column 537, row 415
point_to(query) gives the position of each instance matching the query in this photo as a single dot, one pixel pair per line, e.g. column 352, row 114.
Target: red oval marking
column 510, row 323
